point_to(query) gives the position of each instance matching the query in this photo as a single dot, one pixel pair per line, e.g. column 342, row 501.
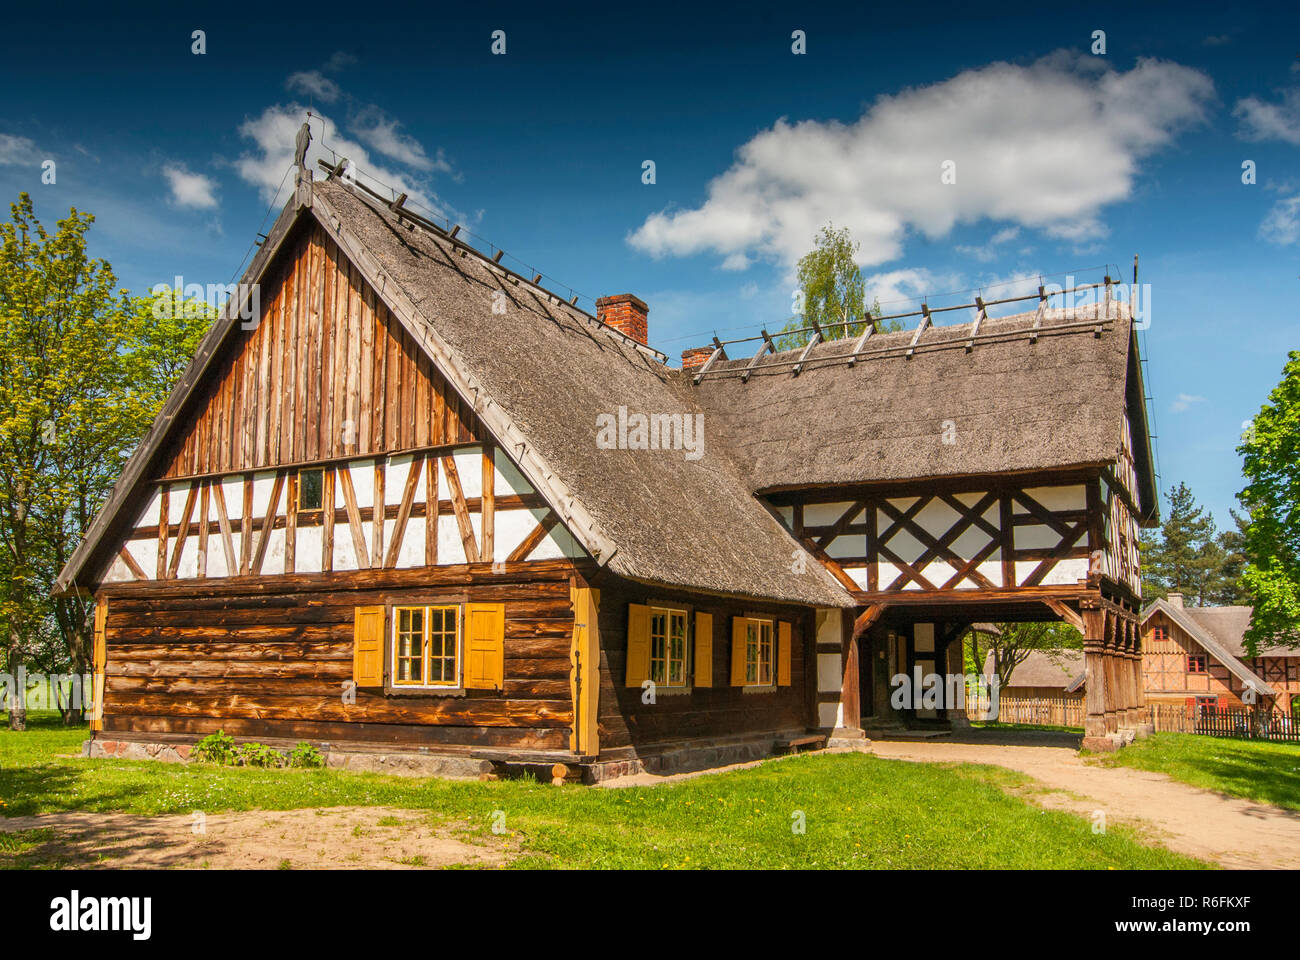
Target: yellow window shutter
column 738, row 651
column 368, row 646
column 638, row 644
column 485, row 646
column 703, row 649
column 782, row 653
column 98, row 665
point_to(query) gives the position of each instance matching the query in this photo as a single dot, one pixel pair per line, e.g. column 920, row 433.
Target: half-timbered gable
column 1195, row 656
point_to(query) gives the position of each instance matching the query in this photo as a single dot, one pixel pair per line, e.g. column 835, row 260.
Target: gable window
column 426, row 646
column 758, row 652
column 311, row 486
column 1196, row 663
column 668, row 647
column 1159, row 634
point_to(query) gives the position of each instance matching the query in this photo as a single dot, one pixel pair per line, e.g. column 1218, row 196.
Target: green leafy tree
column 1271, row 466
column 833, row 292
column 83, row 371
column 1005, row 650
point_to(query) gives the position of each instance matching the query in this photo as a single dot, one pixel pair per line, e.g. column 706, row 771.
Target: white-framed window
column 668, row 646
column 759, row 637
column 426, row 647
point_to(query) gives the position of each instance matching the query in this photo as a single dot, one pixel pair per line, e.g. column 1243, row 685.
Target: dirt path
column 328, row 839
column 1199, row 823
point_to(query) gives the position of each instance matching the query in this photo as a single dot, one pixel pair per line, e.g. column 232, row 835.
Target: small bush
column 258, row 755
column 305, row 755
column 214, row 748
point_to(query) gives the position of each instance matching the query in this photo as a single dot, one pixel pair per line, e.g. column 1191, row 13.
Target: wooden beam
column 164, row 520
column 291, row 521
column 327, row 519
column 1038, row 316
column 461, row 510
column 719, row 351
column 203, row 527
column 354, row 519
column 861, row 341
column 758, row 355
column 268, row 523
column 404, row 512
column 246, row 526
column 1065, row 613
column 867, row 618
column 184, row 530
column 131, row 565
column 431, row 512
column 812, row 342
column 534, row 538
column 377, row 534
column 975, row 327
column 223, row 520
column 920, row 329
column 487, row 508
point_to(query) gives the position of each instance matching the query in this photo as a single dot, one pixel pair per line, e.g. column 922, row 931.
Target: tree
column 1271, row 466
column 1014, row 642
column 1185, row 555
column 83, row 371
column 832, row 290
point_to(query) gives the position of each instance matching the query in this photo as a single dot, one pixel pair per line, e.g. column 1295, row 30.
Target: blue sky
column 1066, row 161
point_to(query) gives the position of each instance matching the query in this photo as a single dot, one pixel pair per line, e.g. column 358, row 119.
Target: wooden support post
column 975, row 327
column 850, row 699
column 1094, row 721
column 1111, row 679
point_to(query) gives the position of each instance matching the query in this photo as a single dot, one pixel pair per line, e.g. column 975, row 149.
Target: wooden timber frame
column 1041, row 546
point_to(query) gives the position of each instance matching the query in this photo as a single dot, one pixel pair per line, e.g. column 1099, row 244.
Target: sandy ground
column 1200, row 823
column 335, row 838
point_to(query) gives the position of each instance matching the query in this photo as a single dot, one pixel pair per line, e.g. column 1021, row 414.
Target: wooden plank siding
column 327, row 373
column 269, row 657
column 628, row 727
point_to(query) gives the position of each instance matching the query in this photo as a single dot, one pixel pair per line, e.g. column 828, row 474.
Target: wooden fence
column 1035, row 711
column 1166, row 717
column 1248, row 724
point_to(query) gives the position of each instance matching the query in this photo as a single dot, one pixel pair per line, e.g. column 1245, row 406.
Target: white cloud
column 381, row 133
column 987, row 251
column 1184, row 402
column 1282, row 225
column 17, row 150
column 273, row 134
column 1270, row 121
column 315, row 83
column 190, row 189
column 1043, row 146
column 901, row 291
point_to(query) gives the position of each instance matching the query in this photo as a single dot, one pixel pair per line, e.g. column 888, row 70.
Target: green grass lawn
column 858, row 811
column 1254, row 769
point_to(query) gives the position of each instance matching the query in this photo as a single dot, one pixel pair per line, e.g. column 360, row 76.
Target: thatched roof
column 1042, row 668
column 1014, row 405
column 553, row 370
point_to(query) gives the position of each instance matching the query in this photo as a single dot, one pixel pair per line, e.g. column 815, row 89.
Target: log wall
column 629, row 727
column 268, row 657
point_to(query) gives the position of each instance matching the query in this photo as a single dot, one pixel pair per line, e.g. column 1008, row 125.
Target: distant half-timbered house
column 421, row 506
column 1196, row 656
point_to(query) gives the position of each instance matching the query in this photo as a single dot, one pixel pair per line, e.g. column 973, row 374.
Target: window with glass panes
column 426, row 646
column 668, row 647
column 758, row 652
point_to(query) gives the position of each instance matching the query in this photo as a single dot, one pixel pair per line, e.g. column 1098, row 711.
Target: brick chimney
column 626, row 314
column 695, row 357
column 1175, row 600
